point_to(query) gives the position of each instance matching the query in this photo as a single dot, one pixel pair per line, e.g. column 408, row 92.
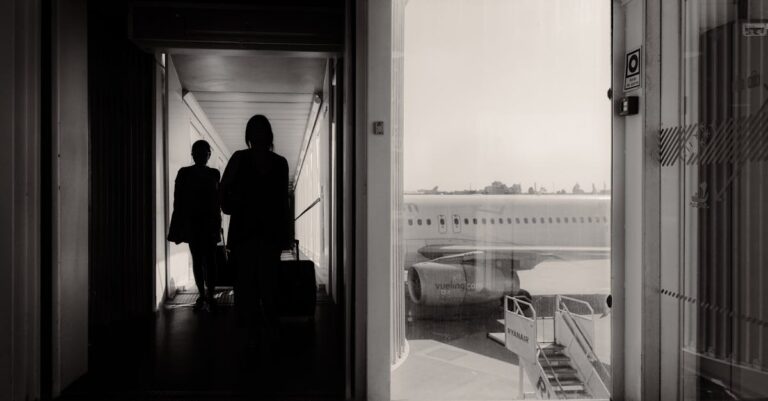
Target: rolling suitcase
column 298, row 287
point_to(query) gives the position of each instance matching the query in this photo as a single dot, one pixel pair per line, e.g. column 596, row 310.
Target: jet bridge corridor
column 560, row 365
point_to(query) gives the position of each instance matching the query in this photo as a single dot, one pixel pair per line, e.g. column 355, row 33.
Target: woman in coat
column 254, row 191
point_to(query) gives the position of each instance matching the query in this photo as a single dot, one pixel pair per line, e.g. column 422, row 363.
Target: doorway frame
column 47, row 381
column 375, row 76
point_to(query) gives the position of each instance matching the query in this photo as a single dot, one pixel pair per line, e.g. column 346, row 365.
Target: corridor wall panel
column 120, row 81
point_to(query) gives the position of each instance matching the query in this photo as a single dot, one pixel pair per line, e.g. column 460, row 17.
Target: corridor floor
column 181, row 354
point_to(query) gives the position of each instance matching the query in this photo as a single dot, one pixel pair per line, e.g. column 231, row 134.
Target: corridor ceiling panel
column 231, row 89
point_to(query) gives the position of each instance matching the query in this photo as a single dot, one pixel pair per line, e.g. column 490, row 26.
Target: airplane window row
column 517, row 220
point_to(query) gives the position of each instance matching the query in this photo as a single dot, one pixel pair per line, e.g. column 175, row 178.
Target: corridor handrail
column 307, row 209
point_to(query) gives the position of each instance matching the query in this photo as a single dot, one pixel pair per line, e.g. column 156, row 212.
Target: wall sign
column 754, row 29
column 632, row 69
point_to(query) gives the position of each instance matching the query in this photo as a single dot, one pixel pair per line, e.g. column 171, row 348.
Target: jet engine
column 461, row 280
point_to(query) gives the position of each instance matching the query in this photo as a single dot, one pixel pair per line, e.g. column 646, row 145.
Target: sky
column 507, row 90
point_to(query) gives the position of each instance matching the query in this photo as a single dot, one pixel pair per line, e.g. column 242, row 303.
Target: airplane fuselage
column 552, row 220
column 467, row 249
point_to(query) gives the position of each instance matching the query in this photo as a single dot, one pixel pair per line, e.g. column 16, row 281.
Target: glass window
column 418, row 221
column 410, row 222
column 509, row 220
column 500, row 61
column 474, row 220
column 558, row 220
column 550, row 220
column 517, row 220
column 714, row 293
column 456, row 221
column 442, row 221
column 466, row 221
column 429, row 222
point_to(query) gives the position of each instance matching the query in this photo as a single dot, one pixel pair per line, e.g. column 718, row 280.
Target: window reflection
column 715, row 190
column 481, row 153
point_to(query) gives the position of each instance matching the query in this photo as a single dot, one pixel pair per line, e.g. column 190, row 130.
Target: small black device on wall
column 628, row 105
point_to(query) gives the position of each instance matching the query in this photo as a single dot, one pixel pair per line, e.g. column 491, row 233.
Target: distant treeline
column 499, row 188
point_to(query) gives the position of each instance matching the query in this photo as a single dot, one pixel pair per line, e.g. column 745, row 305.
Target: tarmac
column 450, row 356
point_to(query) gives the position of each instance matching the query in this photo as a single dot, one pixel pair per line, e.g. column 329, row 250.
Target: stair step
column 553, row 346
column 552, row 353
column 563, row 379
column 502, row 322
column 560, row 371
column 571, row 381
column 555, row 358
column 571, row 393
column 570, row 389
column 581, row 395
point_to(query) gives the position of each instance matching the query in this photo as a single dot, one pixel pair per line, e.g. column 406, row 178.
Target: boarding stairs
column 559, row 362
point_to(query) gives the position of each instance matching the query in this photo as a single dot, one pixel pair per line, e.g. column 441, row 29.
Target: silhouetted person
column 197, row 218
column 254, row 191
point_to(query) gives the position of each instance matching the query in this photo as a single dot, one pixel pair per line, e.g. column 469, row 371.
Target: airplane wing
column 528, row 255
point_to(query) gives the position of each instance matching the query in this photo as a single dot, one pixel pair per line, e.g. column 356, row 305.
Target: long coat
column 196, row 212
column 254, row 191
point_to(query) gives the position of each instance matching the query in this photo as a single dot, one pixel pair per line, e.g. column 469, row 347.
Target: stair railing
column 583, row 341
column 540, row 352
column 562, row 307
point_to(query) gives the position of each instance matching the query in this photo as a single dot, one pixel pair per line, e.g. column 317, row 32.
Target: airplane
column 468, row 249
